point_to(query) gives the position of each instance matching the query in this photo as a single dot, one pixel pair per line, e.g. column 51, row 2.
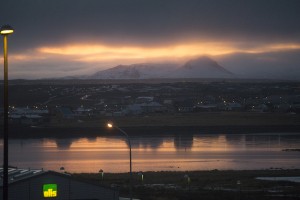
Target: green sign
column 50, row 190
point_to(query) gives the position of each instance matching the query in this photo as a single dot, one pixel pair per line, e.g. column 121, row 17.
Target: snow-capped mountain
column 202, row 67
column 136, row 71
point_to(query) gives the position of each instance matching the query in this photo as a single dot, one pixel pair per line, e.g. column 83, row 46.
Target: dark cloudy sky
column 54, row 38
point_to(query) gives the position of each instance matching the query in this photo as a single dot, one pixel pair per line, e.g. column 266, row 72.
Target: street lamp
column 102, row 173
column 142, row 176
column 5, row 31
column 111, row 125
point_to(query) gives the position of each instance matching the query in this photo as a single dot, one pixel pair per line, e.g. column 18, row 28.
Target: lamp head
column 109, row 125
column 6, row 30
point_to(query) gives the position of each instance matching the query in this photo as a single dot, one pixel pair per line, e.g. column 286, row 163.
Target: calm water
column 156, row 153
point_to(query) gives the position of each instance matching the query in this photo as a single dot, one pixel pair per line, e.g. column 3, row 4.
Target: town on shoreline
column 69, row 107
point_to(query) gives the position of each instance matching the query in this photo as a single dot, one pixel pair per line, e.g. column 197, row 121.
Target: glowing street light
column 5, row 31
column 111, row 125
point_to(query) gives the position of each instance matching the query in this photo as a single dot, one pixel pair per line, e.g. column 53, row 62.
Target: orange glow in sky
column 95, row 53
column 98, row 53
column 85, row 58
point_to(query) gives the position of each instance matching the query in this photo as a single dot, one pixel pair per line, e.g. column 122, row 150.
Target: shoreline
column 69, row 132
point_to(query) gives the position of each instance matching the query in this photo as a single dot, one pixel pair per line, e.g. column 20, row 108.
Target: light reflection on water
column 157, row 153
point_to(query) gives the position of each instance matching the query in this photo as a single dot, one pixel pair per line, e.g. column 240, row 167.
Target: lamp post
column 102, row 173
column 111, row 125
column 5, row 31
column 142, row 176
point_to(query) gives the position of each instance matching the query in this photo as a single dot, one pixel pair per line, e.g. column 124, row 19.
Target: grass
column 213, row 184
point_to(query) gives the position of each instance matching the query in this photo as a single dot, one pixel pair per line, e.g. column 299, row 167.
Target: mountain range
column 202, row 67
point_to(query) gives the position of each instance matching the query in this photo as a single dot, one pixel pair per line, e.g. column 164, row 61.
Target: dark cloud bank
column 161, row 22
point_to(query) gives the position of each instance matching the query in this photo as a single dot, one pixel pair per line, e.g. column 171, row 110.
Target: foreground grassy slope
column 203, row 184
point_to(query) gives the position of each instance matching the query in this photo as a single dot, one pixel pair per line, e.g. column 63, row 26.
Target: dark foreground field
column 213, row 184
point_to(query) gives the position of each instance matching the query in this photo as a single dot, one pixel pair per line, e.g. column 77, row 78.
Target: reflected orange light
column 85, row 145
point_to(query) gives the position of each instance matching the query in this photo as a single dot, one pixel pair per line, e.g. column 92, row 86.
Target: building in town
column 28, row 184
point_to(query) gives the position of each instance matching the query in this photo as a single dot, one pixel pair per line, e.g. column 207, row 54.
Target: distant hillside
column 135, row 71
column 202, row 67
